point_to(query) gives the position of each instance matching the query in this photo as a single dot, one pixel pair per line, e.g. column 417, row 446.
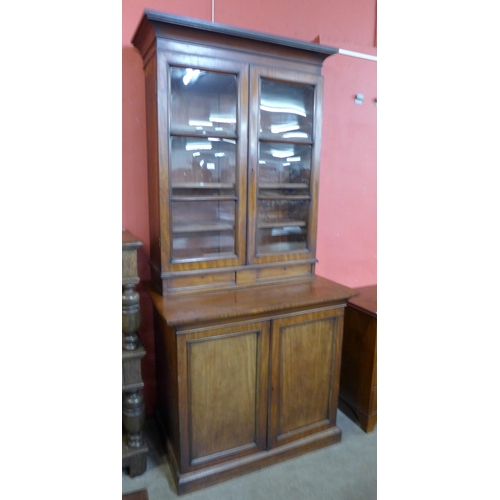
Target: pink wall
column 347, row 227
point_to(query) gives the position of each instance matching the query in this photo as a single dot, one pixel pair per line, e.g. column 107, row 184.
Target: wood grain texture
column 219, row 369
column 130, row 244
column 135, row 459
column 239, row 276
column 305, row 355
column 185, row 309
column 136, row 495
column 131, row 368
column 224, row 374
column 365, row 300
column 134, row 450
column 215, row 34
column 192, row 481
column 150, row 74
column 167, row 382
column 305, row 348
column 167, row 41
column 358, row 378
column 247, row 339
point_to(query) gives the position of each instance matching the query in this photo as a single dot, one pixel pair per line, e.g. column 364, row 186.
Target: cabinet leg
column 367, row 423
column 137, row 465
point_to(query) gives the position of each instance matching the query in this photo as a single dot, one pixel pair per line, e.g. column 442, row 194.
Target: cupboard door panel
column 226, row 393
column 306, row 359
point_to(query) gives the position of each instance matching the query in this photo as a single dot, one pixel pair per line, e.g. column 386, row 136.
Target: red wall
column 347, row 227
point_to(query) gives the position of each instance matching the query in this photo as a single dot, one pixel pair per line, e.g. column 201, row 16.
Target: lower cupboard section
column 235, row 398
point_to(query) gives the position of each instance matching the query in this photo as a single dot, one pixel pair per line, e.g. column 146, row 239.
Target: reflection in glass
column 202, row 245
column 202, row 229
column 282, row 225
column 203, row 101
column 284, row 165
column 199, row 160
column 276, row 213
column 286, row 110
column 281, row 240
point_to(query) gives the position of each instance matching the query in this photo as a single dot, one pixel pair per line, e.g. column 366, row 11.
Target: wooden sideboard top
column 251, row 301
column 366, row 300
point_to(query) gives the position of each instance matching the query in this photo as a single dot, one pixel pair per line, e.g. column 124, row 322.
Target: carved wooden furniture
column 247, row 338
column 358, row 379
column 134, row 449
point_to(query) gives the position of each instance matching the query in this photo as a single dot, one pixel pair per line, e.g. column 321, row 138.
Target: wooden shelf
column 203, row 228
column 277, row 138
column 204, row 198
column 284, row 197
column 202, row 185
column 203, row 134
column 283, row 185
column 282, row 247
column 281, row 223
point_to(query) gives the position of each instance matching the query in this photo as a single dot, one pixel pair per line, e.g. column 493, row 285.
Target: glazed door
column 306, row 353
column 284, row 150
column 223, row 381
column 203, row 141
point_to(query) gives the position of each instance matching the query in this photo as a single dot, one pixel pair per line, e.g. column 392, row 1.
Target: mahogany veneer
column 247, row 338
column 358, row 378
column 247, row 378
column 136, row 495
column 134, row 448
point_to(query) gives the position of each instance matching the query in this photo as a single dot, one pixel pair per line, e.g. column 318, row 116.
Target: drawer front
column 200, row 281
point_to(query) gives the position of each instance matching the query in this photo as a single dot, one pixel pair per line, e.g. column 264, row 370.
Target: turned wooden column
column 134, row 449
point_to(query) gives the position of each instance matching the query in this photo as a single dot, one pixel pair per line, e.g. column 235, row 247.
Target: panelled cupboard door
column 284, row 153
column 306, row 351
column 223, row 375
column 202, row 131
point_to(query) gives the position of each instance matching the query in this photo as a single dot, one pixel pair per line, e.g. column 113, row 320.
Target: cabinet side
column 167, row 411
column 153, row 178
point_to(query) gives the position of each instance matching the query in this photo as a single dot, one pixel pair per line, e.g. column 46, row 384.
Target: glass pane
column 284, row 165
column 202, row 228
column 282, row 225
column 203, row 164
column 281, row 241
column 203, row 101
column 286, row 110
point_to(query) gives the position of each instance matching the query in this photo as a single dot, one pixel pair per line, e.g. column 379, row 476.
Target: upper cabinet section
column 233, row 124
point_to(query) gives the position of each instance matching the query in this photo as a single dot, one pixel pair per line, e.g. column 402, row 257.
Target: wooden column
column 134, row 449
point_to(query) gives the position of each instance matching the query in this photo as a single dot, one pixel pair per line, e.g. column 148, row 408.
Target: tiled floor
column 344, row 471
